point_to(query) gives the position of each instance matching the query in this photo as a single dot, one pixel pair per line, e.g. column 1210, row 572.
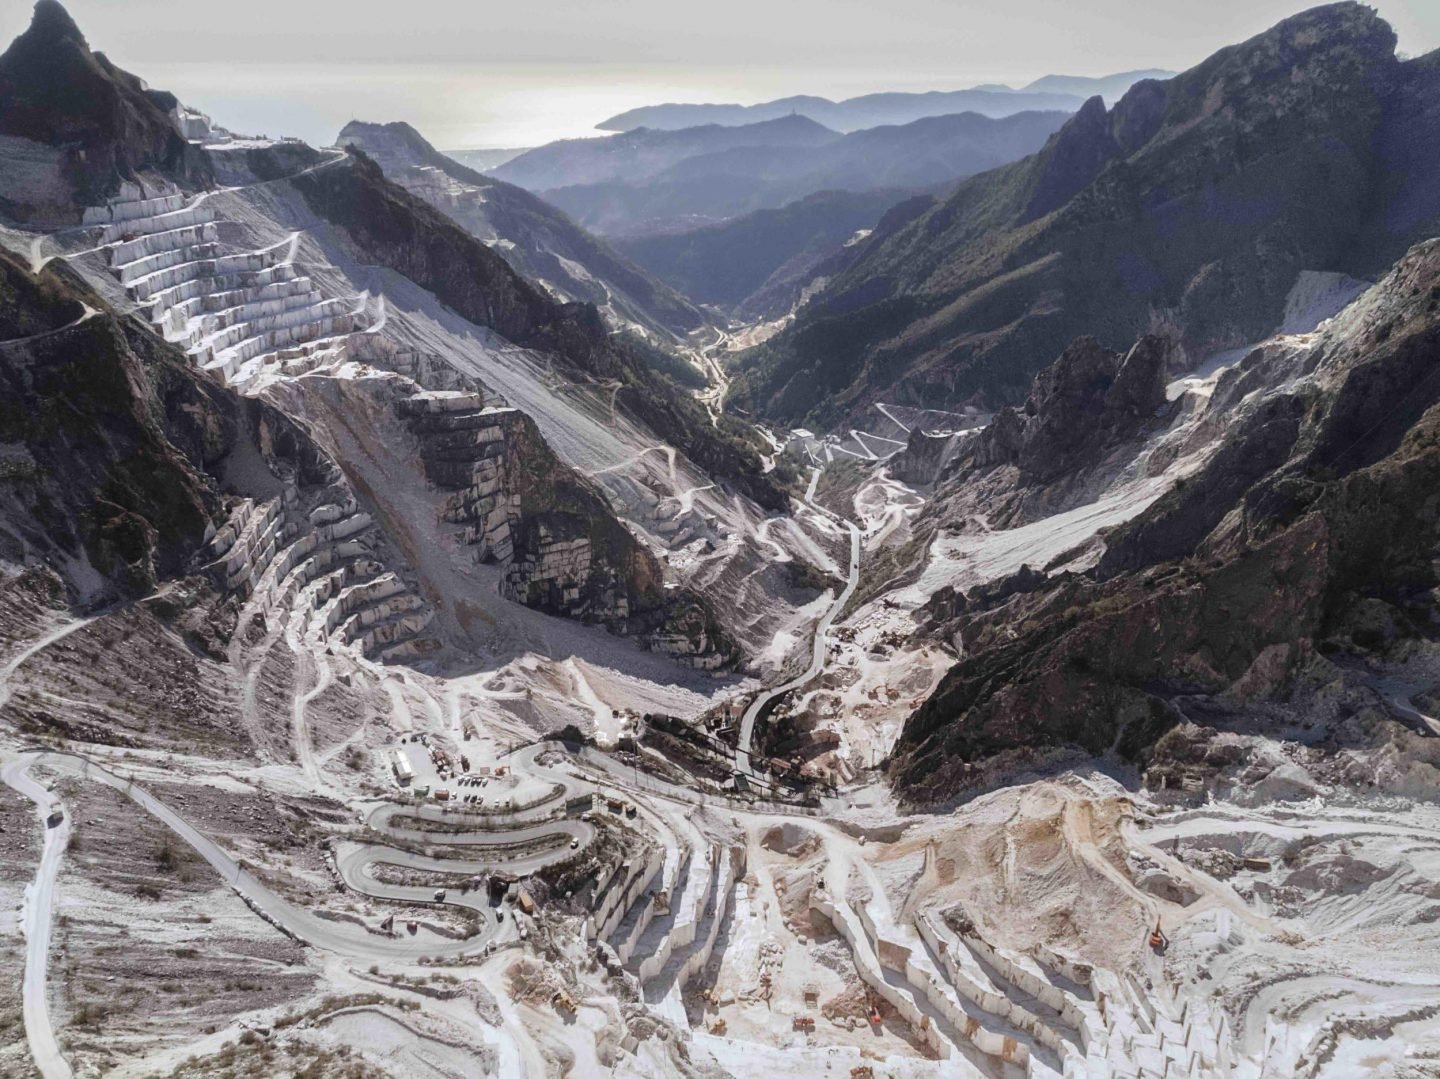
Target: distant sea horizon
column 488, row 108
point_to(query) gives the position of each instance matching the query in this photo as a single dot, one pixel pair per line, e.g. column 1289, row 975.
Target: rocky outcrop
column 1087, row 410
column 1312, row 533
column 76, row 126
column 1087, row 401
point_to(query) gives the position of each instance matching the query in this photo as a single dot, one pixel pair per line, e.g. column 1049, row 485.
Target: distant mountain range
column 644, row 153
column 1063, row 92
column 1110, row 87
column 484, row 160
column 1193, row 204
column 648, row 181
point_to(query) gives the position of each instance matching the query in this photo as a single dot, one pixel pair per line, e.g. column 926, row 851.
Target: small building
column 403, row 772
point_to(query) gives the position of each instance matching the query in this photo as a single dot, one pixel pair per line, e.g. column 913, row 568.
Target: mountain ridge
column 536, row 238
column 851, row 114
column 711, row 184
column 1178, row 204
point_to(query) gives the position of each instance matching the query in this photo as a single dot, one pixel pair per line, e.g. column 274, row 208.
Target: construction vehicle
column 803, row 1023
column 413, row 926
column 439, row 895
column 1158, row 940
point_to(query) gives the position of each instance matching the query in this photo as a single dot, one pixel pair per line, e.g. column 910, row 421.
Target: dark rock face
column 1045, row 455
column 395, row 229
column 1197, row 200
column 105, row 126
column 1087, row 400
column 115, row 446
column 1313, row 529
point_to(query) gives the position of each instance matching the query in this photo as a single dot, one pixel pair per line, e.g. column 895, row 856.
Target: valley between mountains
column 821, row 588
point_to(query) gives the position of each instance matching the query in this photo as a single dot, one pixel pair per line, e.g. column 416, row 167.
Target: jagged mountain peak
column 51, row 25
column 95, row 124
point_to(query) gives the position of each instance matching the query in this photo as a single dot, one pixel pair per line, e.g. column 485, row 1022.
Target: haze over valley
column 578, row 541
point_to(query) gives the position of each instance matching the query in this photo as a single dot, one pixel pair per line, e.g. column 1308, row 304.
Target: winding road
column 743, row 763
column 39, row 902
column 342, row 939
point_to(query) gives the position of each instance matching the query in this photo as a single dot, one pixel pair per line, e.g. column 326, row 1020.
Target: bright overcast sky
column 480, row 73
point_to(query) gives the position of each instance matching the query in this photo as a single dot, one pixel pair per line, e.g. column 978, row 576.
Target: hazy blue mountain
column 628, row 197
column 539, row 241
column 726, row 264
column 1110, row 87
column 485, row 160
column 853, row 114
column 640, row 154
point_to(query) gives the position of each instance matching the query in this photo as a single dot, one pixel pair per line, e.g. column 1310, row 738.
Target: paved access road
column 39, row 904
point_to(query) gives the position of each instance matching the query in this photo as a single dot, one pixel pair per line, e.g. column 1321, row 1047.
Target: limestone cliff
column 123, row 469
column 562, row 549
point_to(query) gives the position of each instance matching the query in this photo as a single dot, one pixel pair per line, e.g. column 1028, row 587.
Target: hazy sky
column 474, row 73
